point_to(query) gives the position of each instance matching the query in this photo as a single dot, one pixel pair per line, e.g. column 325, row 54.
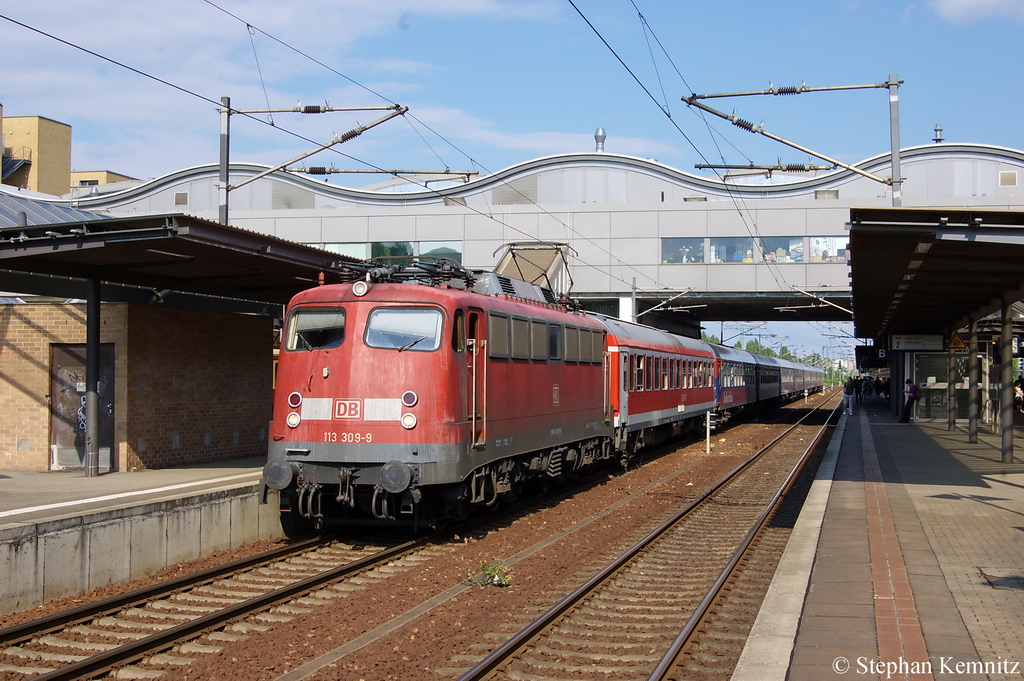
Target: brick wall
column 201, row 376
column 199, row 386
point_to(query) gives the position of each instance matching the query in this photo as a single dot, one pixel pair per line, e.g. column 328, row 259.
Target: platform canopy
column 173, row 259
column 932, row 270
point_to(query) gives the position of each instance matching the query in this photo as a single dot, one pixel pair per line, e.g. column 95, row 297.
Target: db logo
column 348, row 409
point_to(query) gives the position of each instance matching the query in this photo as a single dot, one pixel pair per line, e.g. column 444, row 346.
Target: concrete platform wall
column 40, row 562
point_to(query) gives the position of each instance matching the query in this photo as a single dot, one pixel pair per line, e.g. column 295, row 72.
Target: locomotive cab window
column 413, row 329
column 315, row 328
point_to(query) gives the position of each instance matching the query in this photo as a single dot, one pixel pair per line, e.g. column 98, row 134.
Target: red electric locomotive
column 413, row 403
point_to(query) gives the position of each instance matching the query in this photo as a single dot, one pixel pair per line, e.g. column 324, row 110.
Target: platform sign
column 917, row 342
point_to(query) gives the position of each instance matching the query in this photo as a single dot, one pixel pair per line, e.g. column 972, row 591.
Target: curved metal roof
column 699, row 184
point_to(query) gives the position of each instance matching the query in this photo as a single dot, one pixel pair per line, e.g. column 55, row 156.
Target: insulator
column 316, row 170
column 787, row 91
column 314, row 108
column 796, row 168
column 740, row 123
column 349, row 135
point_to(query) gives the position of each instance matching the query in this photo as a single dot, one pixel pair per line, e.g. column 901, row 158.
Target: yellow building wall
column 101, row 177
column 47, row 144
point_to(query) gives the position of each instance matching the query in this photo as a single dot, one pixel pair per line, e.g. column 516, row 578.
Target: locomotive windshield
column 315, row 328
column 404, row 329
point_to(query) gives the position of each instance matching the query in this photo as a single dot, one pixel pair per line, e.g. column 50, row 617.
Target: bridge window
column 392, row 252
column 433, row 251
column 829, row 248
column 352, row 250
column 732, row 249
column 678, row 250
column 783, row 248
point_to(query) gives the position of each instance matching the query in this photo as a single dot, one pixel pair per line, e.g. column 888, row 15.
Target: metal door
column 67, row 406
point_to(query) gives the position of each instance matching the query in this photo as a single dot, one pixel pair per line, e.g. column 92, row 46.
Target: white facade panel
column 634, row 224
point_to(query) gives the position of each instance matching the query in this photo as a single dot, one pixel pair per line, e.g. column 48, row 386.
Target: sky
column 493, row 83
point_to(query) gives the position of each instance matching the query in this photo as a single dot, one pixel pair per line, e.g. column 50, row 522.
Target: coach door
column 476, row 357
column 67, row 406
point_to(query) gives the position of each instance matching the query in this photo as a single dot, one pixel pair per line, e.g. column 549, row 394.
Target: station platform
column 907, row 561
column 62, row 533
column 34, row 496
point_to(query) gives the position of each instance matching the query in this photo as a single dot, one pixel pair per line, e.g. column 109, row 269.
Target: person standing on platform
column 849, row 392
column 913, row 393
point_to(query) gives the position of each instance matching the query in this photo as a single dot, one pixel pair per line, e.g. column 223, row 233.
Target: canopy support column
column 1006, row 384
column 950, row 390
column 974, row 385
column 92, row 379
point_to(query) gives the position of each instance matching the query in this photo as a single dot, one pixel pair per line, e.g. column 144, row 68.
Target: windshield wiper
column 409, row 345
column 298, row 334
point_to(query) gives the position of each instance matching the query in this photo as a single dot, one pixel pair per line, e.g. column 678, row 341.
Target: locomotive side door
column 476, row 377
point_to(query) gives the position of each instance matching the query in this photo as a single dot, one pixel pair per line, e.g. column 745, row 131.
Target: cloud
column 970, row 11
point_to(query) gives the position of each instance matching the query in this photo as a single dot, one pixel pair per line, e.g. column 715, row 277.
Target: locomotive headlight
column 361, row 288
column 293, row 419
column 409, row 398
column 408, row 421
column 294, row 400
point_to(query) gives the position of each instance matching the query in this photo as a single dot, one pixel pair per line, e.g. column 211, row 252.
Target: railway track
column 634, row 618
column 173, row 622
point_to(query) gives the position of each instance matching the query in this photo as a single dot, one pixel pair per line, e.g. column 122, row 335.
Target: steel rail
column 514, row 644
column 159, row 641
column 44, row 625
column 668, row 660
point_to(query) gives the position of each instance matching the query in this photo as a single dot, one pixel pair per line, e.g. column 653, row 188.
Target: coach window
column 649, row 373
column 664, row 373
column 624, row 360
column 315, row 328
column 658, row 362
column 639, row 372
column 554, row 341
column 404, row 329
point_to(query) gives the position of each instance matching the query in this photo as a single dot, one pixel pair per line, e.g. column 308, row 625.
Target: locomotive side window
column 459, row 332
column 497, row 330
column 554, row 341
column 572, row 344
column 520, row 338
column 538, row 330
column 414, row 329
column 315, row 328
